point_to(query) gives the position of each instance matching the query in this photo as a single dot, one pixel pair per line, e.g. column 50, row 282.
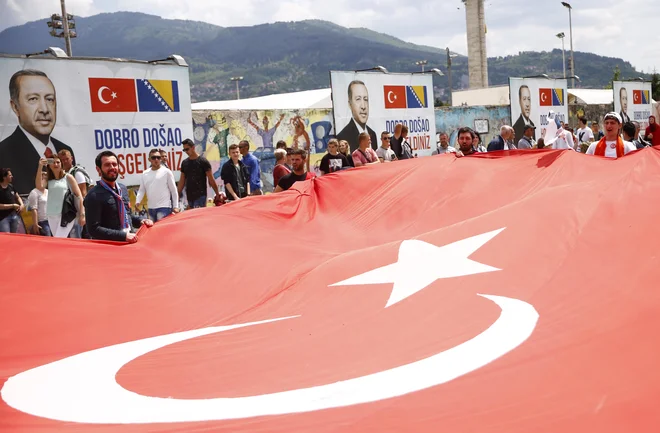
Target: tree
column 655, row 86
column 615, row 77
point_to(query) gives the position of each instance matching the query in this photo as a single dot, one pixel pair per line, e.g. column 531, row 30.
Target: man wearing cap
column 527, row 140
column 611, row 145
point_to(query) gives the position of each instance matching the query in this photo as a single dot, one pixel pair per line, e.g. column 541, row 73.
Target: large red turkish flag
column 505, row 292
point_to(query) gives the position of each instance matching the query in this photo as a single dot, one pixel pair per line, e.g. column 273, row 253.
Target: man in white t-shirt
column 611, row 145
column 37, row 206
column 158, row 184
column 385, row 154
column 444, row 146
column 584, row 133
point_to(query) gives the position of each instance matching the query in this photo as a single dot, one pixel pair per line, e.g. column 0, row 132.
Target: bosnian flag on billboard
column 130, row 95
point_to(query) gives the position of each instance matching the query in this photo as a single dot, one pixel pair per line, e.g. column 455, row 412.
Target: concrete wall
column 495, row 95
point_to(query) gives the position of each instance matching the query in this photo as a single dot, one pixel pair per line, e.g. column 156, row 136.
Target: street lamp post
column 449, row 57
column 65, row 23
column 563, row 51
column 422, row 63
column 570, row 30
column 237, row 80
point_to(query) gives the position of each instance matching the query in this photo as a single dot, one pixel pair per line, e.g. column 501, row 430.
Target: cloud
column 17, row 12
column 607, row 27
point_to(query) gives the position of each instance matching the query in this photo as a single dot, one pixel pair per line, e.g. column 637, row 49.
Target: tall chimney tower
column 476, row 38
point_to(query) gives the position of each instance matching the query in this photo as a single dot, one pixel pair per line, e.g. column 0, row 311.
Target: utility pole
column 570, row 29
column 449, row 57
column 422, row 63
column 563, row 51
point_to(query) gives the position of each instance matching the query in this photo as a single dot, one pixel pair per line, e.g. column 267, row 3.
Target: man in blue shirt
column 252, row 163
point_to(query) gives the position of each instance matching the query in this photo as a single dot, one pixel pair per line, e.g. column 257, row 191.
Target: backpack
column 79, row 168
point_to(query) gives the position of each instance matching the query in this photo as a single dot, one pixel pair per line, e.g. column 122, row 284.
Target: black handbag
column 68, row 208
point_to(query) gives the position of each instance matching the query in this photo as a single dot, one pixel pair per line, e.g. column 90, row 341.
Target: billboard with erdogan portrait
column 87, row 106
column 531, row 101
column 374, row 102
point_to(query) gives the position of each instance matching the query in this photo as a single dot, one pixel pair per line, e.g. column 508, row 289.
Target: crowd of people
column 66, row 203
column 617, row 139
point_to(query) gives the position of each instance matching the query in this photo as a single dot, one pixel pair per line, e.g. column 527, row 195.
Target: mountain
column 285, row 56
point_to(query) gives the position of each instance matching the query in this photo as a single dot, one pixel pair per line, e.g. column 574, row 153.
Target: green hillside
column 285, row 56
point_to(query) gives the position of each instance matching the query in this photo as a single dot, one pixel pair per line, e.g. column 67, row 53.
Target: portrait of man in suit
column 358, row 100
column 525, row 99
column 33, row 100
column 623, row 100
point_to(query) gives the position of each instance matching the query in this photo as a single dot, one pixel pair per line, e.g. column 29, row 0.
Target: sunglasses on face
column 155, row 157
column 385, row 138
column 186, row 149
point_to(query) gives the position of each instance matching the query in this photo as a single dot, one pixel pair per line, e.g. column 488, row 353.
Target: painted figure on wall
column 265, row 133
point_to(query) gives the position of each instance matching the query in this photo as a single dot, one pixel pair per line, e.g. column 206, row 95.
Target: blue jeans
column 200, row 202
column 45, row 228
column 159, row 213
column 76, row 230
column 9, row 224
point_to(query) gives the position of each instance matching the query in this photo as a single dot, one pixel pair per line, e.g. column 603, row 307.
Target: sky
column 613, row 28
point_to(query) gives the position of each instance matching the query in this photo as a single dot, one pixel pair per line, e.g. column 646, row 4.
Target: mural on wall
column 215, row 131
column 485, row 120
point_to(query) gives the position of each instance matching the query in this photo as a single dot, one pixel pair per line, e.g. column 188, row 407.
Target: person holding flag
column 556, row 137
column 611, row 145
column 107, row 205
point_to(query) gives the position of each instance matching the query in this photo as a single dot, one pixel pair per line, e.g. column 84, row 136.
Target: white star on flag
column 113, row 95
column 421, row 263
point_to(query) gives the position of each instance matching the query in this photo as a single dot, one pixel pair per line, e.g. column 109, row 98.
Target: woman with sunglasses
column 58, row 183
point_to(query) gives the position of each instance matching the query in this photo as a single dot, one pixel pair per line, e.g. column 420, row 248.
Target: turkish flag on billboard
column 395, row 96
column 545, row 97
column 113, row 95
column 525, row 304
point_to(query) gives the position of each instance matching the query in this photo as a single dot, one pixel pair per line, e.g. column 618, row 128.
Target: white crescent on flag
column 389, row 97
column 83, row 388
column 100, row 94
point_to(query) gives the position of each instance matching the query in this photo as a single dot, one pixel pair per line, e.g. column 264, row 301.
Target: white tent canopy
column 590, row 96
column 284, row 101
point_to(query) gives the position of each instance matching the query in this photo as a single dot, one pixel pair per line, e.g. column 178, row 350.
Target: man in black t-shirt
column 299, row 172
column 195, row 171
column 235, row 175
column 333, row 160
column 11, row 204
